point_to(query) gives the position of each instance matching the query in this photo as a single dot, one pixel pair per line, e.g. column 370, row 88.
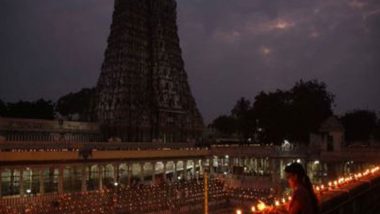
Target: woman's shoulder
column 300, row 190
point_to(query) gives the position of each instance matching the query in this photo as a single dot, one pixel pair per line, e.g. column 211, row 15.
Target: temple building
column 142, row 92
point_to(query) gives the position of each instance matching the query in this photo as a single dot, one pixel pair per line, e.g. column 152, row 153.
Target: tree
column 311, row 104
column 3, row 108
column 271, row 111
column 226, row 125
column 359, row 125
column 295, row 113
column 80, row 103
column 40, row 109
column 376, row 132
column 244, row 117
column 241, row 108
column 290, row 114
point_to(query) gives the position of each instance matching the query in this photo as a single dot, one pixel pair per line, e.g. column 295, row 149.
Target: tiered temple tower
column 142, row 91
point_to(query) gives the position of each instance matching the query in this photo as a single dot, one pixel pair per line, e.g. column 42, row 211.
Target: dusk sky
column 231, row 48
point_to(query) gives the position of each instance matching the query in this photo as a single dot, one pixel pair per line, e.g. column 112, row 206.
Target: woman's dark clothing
column 301, row 202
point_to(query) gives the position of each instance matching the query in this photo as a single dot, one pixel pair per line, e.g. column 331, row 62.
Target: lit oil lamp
column 283, row 200
column 261, row 206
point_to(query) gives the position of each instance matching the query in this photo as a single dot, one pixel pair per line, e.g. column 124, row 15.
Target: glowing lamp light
column 116, row 184
column 277, row 203
column 253, row 209
column 283, row 200
column 28, row 191
column 261, row 206
column 239, row 212
column 289, row 198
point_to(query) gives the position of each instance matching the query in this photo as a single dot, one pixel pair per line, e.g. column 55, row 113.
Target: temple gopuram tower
column 142, row 92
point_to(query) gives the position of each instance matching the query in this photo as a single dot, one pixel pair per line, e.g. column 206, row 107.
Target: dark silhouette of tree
column 376, row 132
column 241, row 108
column 80, row 103
column 284, row 114
column 310, row 105
column 272, row 115
column 244, row 117
column 40, row 109
column 359, row 125
column 226, row 125
column 3, row 108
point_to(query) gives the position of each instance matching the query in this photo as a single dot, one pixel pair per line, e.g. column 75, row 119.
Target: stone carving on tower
column 142, row 92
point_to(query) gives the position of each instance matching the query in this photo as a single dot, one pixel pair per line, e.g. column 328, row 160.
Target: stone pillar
column 142, row 172
column 250, row 162
column 164, row 170
column 129, row 169
column 282, row 168
column 21, row 182
column 41, row 181
column 60, row 179
column 230, row 164
column 83, row 179
column 196, row 162
column 211, row 165
column 175, row 170
column 193, row 169
column 153, row 172
column 201, row 168
column 185, row 169
column 12, row 179
column 255, row 165
column 116, row 173
column 101, row 172
column 274, row 167
column 222, row 160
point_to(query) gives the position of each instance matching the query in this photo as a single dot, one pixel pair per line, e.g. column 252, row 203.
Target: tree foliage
column 244, row 118
column 284, row 114
column 311, row 104
column 39, row 109
column 272, row 111
column 226, row 125
column 359, row 125
column 376, row 132
column 80, row 103
column 3, row 108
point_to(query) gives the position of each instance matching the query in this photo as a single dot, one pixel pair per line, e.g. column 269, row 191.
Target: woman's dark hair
column 297, row 169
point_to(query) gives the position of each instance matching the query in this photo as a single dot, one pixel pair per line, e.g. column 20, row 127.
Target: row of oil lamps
column 319, row 189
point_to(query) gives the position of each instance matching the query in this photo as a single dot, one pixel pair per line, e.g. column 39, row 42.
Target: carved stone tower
column 142, row 91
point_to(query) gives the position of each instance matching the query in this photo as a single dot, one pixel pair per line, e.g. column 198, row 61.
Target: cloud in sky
column 230, row 48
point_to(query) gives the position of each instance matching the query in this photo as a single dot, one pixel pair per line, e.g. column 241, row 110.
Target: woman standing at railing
column 304, row 200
